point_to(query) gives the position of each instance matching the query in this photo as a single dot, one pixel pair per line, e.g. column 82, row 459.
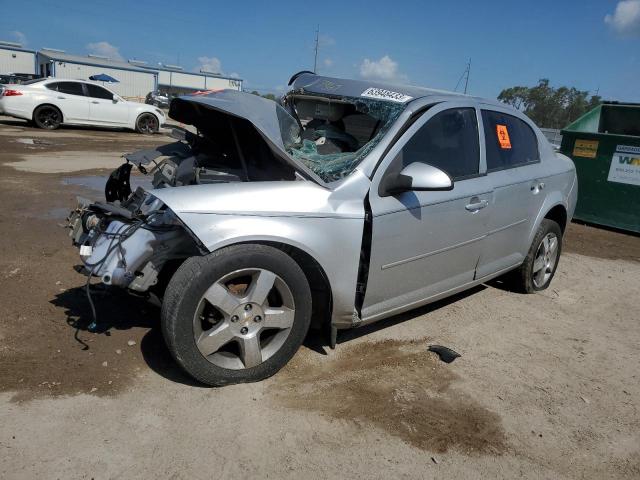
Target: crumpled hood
column 275, row 199
column 273, row 122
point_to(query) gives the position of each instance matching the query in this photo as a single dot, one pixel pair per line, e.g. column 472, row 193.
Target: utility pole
column 315, row 57
column 466, row 82
column 465, row 75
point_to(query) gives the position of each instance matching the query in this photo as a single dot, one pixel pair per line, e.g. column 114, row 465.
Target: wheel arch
column 554, row 208
column 321, row 294
column 558, row 213
column 144, row 112
column 46, row 104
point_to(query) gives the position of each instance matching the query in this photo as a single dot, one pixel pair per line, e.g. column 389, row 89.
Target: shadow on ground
column 118, row 311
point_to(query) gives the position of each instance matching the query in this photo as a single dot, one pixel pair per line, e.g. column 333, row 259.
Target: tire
column 209, row 328
column 539, row 266
column 147, row 123
column 47, row 117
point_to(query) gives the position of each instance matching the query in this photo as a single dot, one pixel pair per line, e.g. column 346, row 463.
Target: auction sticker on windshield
column 382, row 94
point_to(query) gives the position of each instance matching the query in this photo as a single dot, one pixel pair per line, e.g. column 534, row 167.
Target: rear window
column 99, row 92
column 71, row 88
column 510, row 141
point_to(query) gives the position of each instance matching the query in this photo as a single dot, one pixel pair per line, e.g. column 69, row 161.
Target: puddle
column 32, row 141
column 59, row 213
column 397, row 387
column 98, row 182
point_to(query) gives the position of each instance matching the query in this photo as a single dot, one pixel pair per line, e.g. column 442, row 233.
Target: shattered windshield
column 336, row 134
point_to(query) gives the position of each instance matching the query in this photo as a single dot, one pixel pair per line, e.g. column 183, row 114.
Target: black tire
column 184, row 295
column 47, row 117
column 522, row 279
column 147, row 123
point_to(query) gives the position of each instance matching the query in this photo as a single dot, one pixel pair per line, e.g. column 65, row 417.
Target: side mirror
column 416, row 176
column 115, row 98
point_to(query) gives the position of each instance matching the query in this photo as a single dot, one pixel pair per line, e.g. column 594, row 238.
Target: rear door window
column 98, row 92
column 70, row 88
column 510, row 141
column 448, row 141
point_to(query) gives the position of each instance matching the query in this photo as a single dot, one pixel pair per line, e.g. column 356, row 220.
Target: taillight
column 11, row 93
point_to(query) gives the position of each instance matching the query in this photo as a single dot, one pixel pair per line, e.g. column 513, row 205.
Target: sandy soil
column 547, row 385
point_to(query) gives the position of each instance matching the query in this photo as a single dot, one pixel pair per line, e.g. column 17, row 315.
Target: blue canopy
column 103, row 77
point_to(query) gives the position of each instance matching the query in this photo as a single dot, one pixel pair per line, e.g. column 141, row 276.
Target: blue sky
column 587, row 44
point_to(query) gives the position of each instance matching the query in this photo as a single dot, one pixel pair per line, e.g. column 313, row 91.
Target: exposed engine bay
column 130, row 239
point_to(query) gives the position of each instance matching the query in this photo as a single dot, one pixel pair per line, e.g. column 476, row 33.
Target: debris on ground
column 446, row 354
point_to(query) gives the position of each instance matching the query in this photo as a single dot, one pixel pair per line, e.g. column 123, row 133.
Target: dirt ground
column 547, row 386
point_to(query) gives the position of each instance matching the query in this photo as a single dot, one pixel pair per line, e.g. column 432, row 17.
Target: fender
column 316, row 236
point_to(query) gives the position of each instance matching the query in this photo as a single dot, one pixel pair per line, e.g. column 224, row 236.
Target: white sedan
column 51, row 102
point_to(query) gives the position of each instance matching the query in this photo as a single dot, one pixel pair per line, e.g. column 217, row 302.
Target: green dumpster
column 605, row 146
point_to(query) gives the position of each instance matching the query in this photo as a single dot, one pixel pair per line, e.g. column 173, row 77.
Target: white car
column 51, row 102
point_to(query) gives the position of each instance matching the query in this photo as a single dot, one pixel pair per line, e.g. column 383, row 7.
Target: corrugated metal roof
column 15, row 49
column 166, row 68
column 121, row 64
column 85, row 60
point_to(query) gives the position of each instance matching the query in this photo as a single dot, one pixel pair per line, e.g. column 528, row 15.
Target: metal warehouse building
column 174, row 80
column 133, row 80
column 15, row 59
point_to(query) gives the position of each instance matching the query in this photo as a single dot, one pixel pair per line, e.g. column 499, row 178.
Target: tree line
column 550, row 107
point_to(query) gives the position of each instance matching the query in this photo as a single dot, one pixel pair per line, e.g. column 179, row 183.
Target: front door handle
column 476, row 204
column 61, row 98
column 96, row 102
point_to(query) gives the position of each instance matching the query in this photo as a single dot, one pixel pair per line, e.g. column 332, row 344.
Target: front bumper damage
column 127, row 245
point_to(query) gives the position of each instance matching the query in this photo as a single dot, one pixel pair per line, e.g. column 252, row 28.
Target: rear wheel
column 47, row 117
column 147, row 123
column 541, row 262
column 236, row 315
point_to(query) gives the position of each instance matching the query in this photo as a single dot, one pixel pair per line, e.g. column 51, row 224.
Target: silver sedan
column 344, row 203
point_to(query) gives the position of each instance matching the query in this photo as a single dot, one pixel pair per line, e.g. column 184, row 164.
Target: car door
column 517, row 179
column 428, row 243
column 70, row 98
column 103, row 109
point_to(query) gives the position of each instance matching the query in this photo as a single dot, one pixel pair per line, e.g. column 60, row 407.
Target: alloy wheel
column 545, row 260
column 244, row 318
column 48, row 117
column 147, row 124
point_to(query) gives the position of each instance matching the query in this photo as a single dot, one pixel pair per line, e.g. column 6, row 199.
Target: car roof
column 311, row 83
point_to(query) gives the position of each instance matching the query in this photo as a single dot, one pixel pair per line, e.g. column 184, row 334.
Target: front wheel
column 147, row 123
column 541, row 262
column 236, row 315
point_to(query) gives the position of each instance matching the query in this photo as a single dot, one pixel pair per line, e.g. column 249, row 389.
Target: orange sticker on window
column 503, row 136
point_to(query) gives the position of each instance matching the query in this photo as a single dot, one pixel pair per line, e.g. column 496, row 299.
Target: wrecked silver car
column 345, row 203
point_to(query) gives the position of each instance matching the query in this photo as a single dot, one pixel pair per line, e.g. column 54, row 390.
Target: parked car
column 157, row 99
column 349, row 202
column 51, row 102
column 17, row 78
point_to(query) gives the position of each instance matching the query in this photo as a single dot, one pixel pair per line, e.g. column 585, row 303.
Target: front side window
column 71, row 88
column 510, row 141
column 98, row 92
column 448, row 141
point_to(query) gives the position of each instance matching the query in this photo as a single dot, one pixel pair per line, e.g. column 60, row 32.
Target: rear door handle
column 476, row 204
column 61, row 98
